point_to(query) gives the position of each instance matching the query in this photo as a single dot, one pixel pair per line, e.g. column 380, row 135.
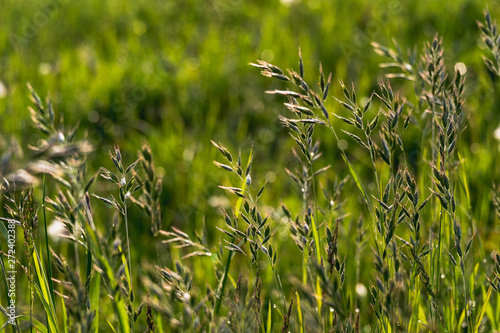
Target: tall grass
column 425, row 269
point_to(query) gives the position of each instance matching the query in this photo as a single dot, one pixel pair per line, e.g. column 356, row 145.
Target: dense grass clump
column 385, row 221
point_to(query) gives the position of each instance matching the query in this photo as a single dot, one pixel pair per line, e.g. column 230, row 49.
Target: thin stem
column 316, row 241
column 438, row 270
column 433, row 145
column 128, row 242
column 223, row 281
column 222, row 285
column 305, row 252
column 305, row 255
column 314, row 193
column 279, row 285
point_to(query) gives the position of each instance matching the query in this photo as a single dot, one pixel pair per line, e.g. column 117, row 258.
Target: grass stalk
column 222, row 285
column 125, row 216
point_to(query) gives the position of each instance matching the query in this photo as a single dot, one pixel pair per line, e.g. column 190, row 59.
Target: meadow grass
column 387, row 222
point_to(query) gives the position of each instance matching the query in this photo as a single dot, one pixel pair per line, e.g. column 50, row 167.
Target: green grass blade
column 110, row 325
column 159, row 323
column 486, row 303
column 43, row 291
column 44, row 296
column 490, row 313
column 269, row 318
column 299, row 310
column 461, row 318
column 95, row 285
column 118, row 302
column 127, row 271
column 316, row 239
column 318, row 257
column 65, row 316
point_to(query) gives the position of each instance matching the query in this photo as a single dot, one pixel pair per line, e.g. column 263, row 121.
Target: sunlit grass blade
column 64, row 316
column 117, row 299
column 269, row 318
column 461, row 318
column 43, row 291
column 318, row 258
column 51, row 320
column 125, row 264
column 159, row 323
column 111, row 326
column 299, row 310
column 486, row 303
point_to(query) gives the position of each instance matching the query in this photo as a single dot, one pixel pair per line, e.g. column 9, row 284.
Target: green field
column 160, row 247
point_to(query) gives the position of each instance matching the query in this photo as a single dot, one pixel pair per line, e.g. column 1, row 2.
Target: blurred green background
column 176, row 73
